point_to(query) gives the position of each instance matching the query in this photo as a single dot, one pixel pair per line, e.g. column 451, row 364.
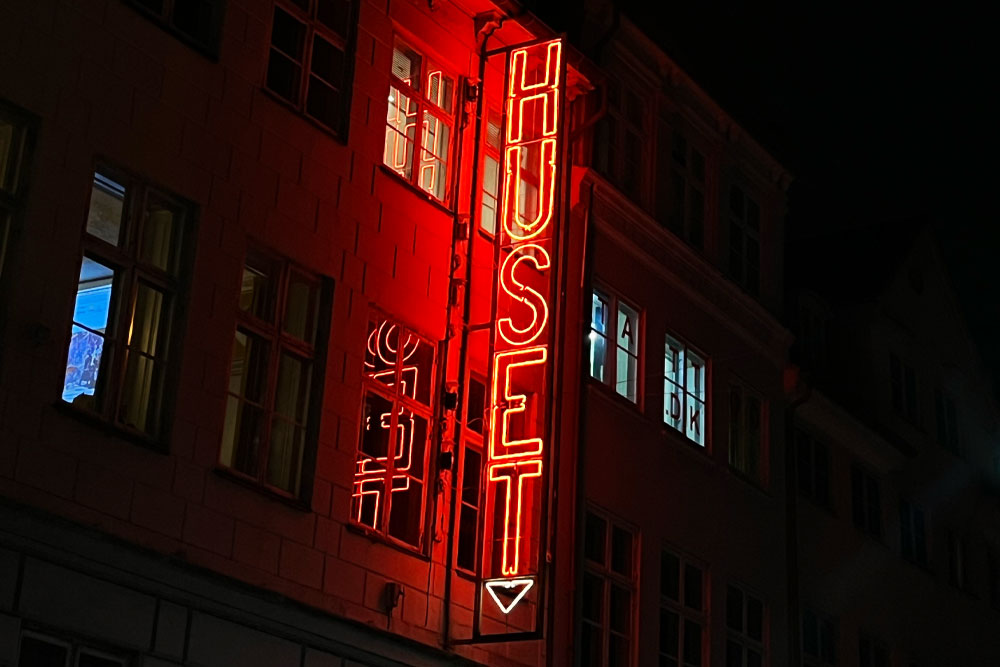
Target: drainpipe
column 803, row 390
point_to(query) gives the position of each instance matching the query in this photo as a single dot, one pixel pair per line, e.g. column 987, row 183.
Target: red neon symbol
column 513, row 507
column 509, row 586
column 518, row 291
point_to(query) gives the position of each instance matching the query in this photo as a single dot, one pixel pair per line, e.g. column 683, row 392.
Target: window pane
column 159, row 227
column 139, row 402
column 590, row 650
column 10, row 153
column 595, row 535
column 468, row 531
column 734, row 608
column 471, row 473
column 621, row 551
column 87, row 659
column 327, row 62
column 669, row 635
column 433, row 157
column 36, row 652
column 692, row 586
column 755, row 618
column 301, row 307
column 621, row 609
column 248, row 372
column 149, row 317
column 335, row 15
column 87, row 338
column 692, row 643
column 406, row 65
column 406, row 503
column 753, row 658
column 593, row 597
column 734, row 654
column 288, row 34
column 628, row 329
column 256, row 292
column 475, row 406
column 810, row 634
column 291, row 395
column 107, row 203
column 284, row 76
column 284, row 456
column 323, row 103
column 400, row 133
column 627, row 370
column 617, row 651
column 4, row 232
column 369, row 482
column 241, row 435
column 194, row 17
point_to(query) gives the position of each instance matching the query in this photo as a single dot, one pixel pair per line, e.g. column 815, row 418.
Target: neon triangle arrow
column 508, row 585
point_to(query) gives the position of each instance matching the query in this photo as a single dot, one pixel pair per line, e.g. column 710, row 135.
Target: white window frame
column 610, row 577
column 683, row 423
column 741, row 636
column 684, row 612
column 611, row 361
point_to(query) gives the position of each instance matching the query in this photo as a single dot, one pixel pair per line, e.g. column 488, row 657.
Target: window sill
column 338, row 136
column 390, row 542
column 264, row 490
column 210, row 51
column 610, row 394
column 114, row 430
column 423, row 195
column 672, row 434
column 751, row 481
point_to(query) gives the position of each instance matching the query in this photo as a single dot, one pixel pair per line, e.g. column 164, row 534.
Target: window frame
column 685, row 613
column 610, row 577
column 958, row 560
column 74, row 648
column 706, row 382
column 863, row 481
column 876, row 647
column 613, row 134
column 740, row 636
column 613, row 303
column 165, row 21
column 740, row 220
column 814, row 446
column 913, row 534
column 312, row 27
column 739, row 425
column 946, row 421
column 418, row 97
column 669, row 168
column 474, row 440
column 491, row 152
column 129, row 271
column 823, row 624
column 372, row 387
column 277, row 342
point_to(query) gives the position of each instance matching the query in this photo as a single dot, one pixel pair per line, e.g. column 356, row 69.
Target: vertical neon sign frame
column 523, row 333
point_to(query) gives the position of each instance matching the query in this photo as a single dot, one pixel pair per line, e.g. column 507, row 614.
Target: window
column 195, row 21
column 684, row 390
column 872, row 652
column 608, row 592
column 746, row 432
column 993, row 563
column 391, row 472
column 813, row 459
column 946, row 418
column 491, row 174
column 958, row 563
column 621, row 139
column 683, row 617
column 612, row 317
column 680, row 197
column 276, row 375
column 745, row 629
column 421, row 95
column 903, row 382
column 128, row 300
column 308, row 65
column 40, row 651
column 866, row 507
column 472, row 470
column 819, row 639
column 744, row 240
column 14, row 151
column 913, row 545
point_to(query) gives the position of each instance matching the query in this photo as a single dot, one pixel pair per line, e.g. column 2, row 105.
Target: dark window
column 616, row 365
column 421, row 101
column 946, row 418
column 866, row 506
column 391, row 473
column 40, row 651
column 744, row 240
column 472, row 471
column 276, row 373
column 745, row 637
column 819, row 639
column 903, row 384
column 197, row 22
column 913, row 545
column 621, row 141
column 958, row 561
column 813, row 459
column 308, row 63
column 680, row 196
column 872, row 652
column 609, row 591
column 14, row 154
column 683, row 617
column 993, row 563
column 128, row 299
column 746, row 433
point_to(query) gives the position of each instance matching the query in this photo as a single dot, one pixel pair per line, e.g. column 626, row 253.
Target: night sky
column 882, row 112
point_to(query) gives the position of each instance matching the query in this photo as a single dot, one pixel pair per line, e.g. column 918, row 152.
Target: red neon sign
column 522, row 333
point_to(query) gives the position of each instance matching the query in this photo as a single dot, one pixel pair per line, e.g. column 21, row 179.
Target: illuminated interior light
column 518, row 291
column 522, row 586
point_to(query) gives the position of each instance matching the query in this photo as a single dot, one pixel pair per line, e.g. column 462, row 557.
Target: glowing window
column 419, row 121
column 746, row 433
column 609, row 592
column 308, row 64
column 391, row 467
column 614, row 344
column 744, row 240
column 491, row 174
column 127, row 301
column 269, row 432
column 683, row 615
column 14, row 149
column 194, row 21
column 684, row 390
column 819, row 639
column 745, row 620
